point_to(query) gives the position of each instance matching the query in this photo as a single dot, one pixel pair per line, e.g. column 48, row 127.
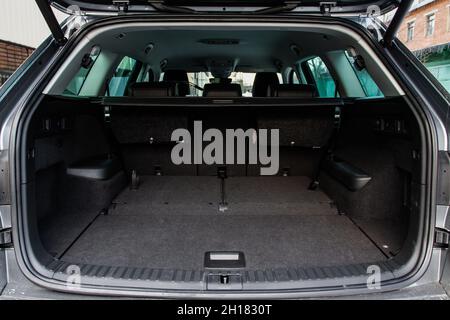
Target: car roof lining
column 185, row 49
column 260, row 46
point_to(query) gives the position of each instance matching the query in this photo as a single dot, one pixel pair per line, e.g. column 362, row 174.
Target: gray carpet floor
column 170, row 222
column 59, row 231
column 180, row 242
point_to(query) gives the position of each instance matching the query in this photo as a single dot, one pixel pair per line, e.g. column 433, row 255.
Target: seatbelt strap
column 109, row 132
column 114, row 146
column 330, row 146
column 107, row 115
column 222, row 175
column 107, row 122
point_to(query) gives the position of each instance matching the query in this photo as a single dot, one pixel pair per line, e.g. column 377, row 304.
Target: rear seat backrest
column 303, row 137
column 153, row 89
column 133, row 126
column 223, row 120
column 145, row 139
column 295, row 90
column 232, row 90
column 307, row 131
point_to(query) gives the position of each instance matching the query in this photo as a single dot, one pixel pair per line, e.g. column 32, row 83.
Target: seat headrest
column 264, row 83
column 295, row 90
column 222, row 90
column 180, row 77
column 153, row 89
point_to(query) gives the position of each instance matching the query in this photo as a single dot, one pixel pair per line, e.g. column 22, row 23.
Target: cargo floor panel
column 389, row 235
column 179, row 195
column 58, row 232
column 171, row 222
column 180, row 242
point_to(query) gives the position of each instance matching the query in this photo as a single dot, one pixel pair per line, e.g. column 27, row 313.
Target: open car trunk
column 105, row 196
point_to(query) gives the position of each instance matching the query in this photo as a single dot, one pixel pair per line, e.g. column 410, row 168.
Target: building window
column 430, row 25
column 448, row 18
column 410, row 31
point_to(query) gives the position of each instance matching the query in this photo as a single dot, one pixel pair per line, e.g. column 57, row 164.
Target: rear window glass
column 367, row 83
column 326, row 87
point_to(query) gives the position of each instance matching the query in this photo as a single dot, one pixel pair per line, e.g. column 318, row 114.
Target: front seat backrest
column 264, row 84
column 179, row 78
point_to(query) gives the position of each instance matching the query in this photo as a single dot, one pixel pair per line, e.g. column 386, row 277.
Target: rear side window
column 293, row 78
column 145, row 75
column 121, row 77
column 325, row 84
column 369, row 86
column 76, row 84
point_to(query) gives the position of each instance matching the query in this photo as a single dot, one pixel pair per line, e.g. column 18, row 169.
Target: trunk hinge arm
column 441, row 238
column 325, row 7
column 394, row 26
column 52, row 22
column 122, row 5
column 6, row 238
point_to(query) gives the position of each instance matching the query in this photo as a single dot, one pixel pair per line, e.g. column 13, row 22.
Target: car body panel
column 428, row 286
column 307, row 6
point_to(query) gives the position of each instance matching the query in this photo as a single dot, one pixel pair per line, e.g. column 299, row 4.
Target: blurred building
column 426, row 32
column 22, row 28
column 427, row 25
column 12, row 55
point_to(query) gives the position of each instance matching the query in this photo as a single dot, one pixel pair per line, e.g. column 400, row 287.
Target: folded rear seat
column 222, row 120
column 144, row 134
column 304, row 132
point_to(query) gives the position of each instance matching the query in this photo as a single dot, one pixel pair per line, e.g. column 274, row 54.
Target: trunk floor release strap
column 330, row 147
column 222, row 175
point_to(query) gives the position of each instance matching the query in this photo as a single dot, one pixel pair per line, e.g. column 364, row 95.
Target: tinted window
column 369, row 86
column 326, row 87
column 293, row 78
column 119, row 81
column 76, row 84
column 145, row 75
